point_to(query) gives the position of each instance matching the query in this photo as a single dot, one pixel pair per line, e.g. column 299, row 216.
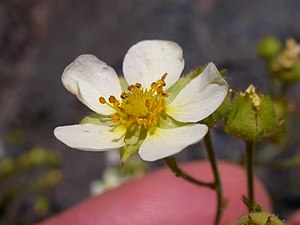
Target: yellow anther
column 161, row 83
column 138, row 85
column 164, row 76
column 139, row 105
column 112, row 99
column 115, row 117
column 159, row 89
column 124, row 95
column 147, row 103
column 154, row 85
column 130, row 87
column 102, row 100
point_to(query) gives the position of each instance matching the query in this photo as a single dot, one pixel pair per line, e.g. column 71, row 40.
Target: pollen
column 139, row 105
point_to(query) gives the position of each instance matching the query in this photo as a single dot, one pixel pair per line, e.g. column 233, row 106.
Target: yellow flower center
column 139, row 105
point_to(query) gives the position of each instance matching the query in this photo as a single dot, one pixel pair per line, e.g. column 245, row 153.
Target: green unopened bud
column 288, row 75
column 252, row 116
column 268, row 47
column 286, row 66
column 260, row 218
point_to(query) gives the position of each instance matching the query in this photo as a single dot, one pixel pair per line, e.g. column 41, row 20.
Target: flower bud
column 252, row 116
column 286, row 66
column 260, row 218
column 268, row 47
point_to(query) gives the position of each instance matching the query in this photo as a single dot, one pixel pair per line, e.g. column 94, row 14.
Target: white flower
column 154, row 114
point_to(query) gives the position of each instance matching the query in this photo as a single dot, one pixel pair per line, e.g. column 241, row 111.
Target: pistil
column 139, row 105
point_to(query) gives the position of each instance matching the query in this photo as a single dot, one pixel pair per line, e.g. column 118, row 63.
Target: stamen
column 161, row 83
column 130, row 87
column 140, row 106
column 112, row 99
column 147, row 103
column 138, row 85
column 124, row 95
column 102, row 100
column 159, row 89
column 115, row 117
column 154, row 85
column 116, row 103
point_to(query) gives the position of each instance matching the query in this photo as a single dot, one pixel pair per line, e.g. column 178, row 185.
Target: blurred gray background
column 39, row 38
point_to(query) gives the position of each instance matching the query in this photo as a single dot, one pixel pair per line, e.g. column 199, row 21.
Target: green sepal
column 123, row 83
column 133, row 139
column 223, row 72
column 97, row 119
column 134, row 166
column 176, row 88
column 219, row 113
column 193, row 74
column 248, row 122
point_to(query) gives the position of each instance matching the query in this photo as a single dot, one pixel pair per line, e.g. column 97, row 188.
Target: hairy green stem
column 217, row 181
column 172, row 164
column 250, row 168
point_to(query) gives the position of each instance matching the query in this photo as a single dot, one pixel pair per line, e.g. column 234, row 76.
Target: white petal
column 166, row 142
column 90, row 137
column 147, row 61
column 200, row 97
column 90, row 78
